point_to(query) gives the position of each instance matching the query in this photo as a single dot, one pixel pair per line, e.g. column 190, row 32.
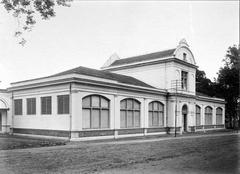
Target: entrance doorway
column 184, row 116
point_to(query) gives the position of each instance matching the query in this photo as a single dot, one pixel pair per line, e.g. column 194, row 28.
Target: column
column 24, row 106
column 54, row 104
column 214, row 115
column 202, row 116
column 145, row 115
column 171, row 116
column 116, row 115
column 76, row 113
column 38, row 105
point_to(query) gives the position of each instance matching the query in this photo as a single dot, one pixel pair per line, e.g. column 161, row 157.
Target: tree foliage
column 25, row 11
column 228, row 83
column 203, row 84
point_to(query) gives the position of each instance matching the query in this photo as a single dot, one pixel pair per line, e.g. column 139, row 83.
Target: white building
column 136, row 96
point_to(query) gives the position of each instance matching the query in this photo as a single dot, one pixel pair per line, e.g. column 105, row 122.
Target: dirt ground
column 212, row 154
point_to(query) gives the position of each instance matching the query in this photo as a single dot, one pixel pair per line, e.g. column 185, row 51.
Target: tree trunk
column 230, row 122
column 238, row 121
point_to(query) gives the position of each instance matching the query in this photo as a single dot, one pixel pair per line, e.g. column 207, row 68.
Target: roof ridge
column 143, row 57
column 149, row 53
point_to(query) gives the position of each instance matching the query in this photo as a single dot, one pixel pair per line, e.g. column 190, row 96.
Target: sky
column 89, row 32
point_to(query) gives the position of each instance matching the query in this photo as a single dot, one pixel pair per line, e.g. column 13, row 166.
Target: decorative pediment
column 184, row 53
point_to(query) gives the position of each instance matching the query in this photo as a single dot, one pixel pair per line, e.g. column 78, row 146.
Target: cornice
column 199, row 98
column 209, row 99
column 89, row 82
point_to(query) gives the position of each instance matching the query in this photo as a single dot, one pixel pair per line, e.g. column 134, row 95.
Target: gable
column 181, row 53
column 185, row 54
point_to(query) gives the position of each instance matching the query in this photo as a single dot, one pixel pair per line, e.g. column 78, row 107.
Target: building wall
column 154, row 75
column 191, row 116
column 163, row 75
column 181, row 101
column 54, row 121
column 6, row 120
column 61, row 124
column 214, row 105
column 114, row 97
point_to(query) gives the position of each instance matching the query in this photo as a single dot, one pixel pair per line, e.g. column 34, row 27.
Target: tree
column 227, row 84
column 26, row 10
column 203, row 84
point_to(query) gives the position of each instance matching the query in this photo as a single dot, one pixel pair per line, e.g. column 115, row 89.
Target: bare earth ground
column 203, row 154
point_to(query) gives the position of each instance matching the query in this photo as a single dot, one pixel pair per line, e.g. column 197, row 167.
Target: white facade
column 5, row 111
column 157, row 87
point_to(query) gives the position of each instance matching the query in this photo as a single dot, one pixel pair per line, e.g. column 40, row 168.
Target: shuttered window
column 63, row 104
column 31, row 106
column 46, row 105
column 18, row 107
column 155, row 114
column 130, row 113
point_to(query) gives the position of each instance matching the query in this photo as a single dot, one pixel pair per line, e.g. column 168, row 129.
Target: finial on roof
column 183, row 42
column 111, row 59
column 114, row 56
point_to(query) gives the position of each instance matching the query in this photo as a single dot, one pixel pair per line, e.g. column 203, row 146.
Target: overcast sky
column 88, row 33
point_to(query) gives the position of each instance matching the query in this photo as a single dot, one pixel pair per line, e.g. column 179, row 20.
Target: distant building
column 135, row 96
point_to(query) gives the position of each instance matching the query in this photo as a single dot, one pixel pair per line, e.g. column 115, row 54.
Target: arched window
column 208, row 115
column 95, row 112
column 155, row 114
column 130, row 113
column 219, row 115
column 198, row 115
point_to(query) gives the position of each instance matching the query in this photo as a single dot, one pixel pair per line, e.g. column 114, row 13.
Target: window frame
column 208, row 114
column 91, row 108
column 31, row 110
column 127, row 110
column 219, row 115
column 16, row 105
column 184, row 80
column 159, row 111
column 198, row 114
column 64, row 110
column 46, row 111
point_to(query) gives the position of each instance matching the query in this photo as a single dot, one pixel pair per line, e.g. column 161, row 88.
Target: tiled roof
column 106, row 75
column 145, row 57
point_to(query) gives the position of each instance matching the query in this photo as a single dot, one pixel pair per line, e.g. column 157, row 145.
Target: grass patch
column 14, row 142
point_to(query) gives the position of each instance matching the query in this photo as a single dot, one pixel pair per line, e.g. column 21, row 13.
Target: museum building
column 144, row 95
